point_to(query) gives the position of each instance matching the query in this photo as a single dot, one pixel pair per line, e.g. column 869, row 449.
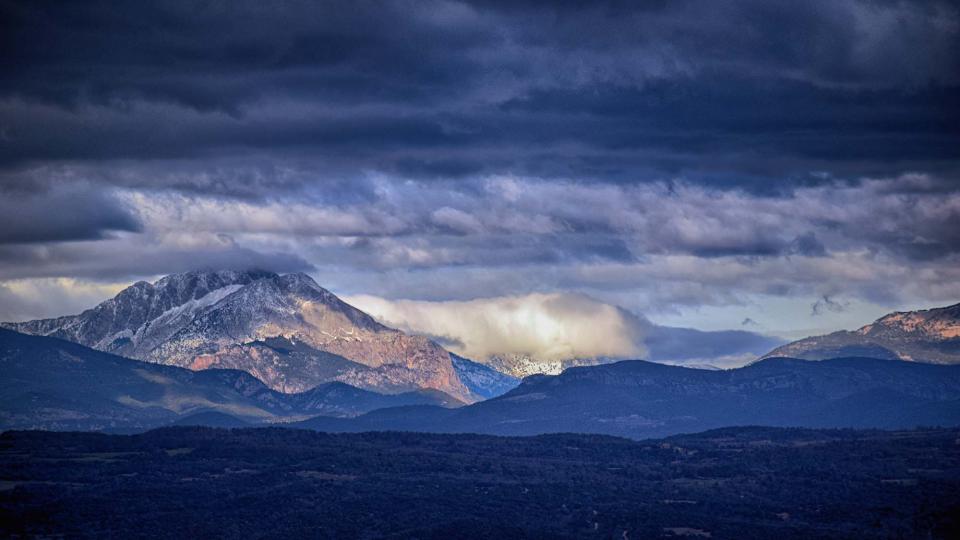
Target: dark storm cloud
column 117, row 260
column 222, row 56
column 735, row 92
column 692, row 152
column 62, row 215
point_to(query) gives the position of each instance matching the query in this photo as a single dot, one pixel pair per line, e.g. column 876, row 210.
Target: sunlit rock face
column 285, row 329
column 931, row 335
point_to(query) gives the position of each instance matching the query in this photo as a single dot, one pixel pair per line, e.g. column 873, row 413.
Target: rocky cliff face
column 234, row 319
column 931, row 335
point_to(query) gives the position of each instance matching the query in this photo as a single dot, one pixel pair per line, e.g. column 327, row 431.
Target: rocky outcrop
column 931, row 336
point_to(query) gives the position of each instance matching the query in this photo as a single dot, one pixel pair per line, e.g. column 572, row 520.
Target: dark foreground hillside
column 283, row 483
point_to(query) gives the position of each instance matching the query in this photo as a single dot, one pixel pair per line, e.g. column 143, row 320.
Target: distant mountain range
column 285, row 330
column 251, row 348
column 931, row 335
column 292, row 334
column 50, row 383
column 642, row 399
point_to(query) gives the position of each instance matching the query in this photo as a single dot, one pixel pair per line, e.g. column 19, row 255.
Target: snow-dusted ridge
column 228, row 319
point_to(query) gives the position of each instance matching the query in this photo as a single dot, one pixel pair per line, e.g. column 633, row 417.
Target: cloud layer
column 549, row 327
column 561, row 326
column 691, row 161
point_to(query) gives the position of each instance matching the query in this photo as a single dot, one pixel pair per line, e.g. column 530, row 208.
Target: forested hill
column 284, row 483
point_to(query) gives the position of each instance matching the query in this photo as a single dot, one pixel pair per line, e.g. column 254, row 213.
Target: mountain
column 55, row 384
column 50, row 383
column 482, row 380
column 284, row 329
column 931, row 335
column 641, row 399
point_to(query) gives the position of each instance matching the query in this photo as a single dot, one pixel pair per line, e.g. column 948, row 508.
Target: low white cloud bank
column 549, row 327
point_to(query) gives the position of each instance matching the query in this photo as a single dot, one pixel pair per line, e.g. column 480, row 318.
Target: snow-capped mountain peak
column 224, row 319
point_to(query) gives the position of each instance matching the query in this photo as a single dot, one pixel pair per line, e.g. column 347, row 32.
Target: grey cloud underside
column 62, row 215
column 120, row 260
column 138, row 139
column 441, row 89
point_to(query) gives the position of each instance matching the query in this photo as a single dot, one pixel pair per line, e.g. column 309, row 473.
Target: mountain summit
column 285, row 330
column 930, row 335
